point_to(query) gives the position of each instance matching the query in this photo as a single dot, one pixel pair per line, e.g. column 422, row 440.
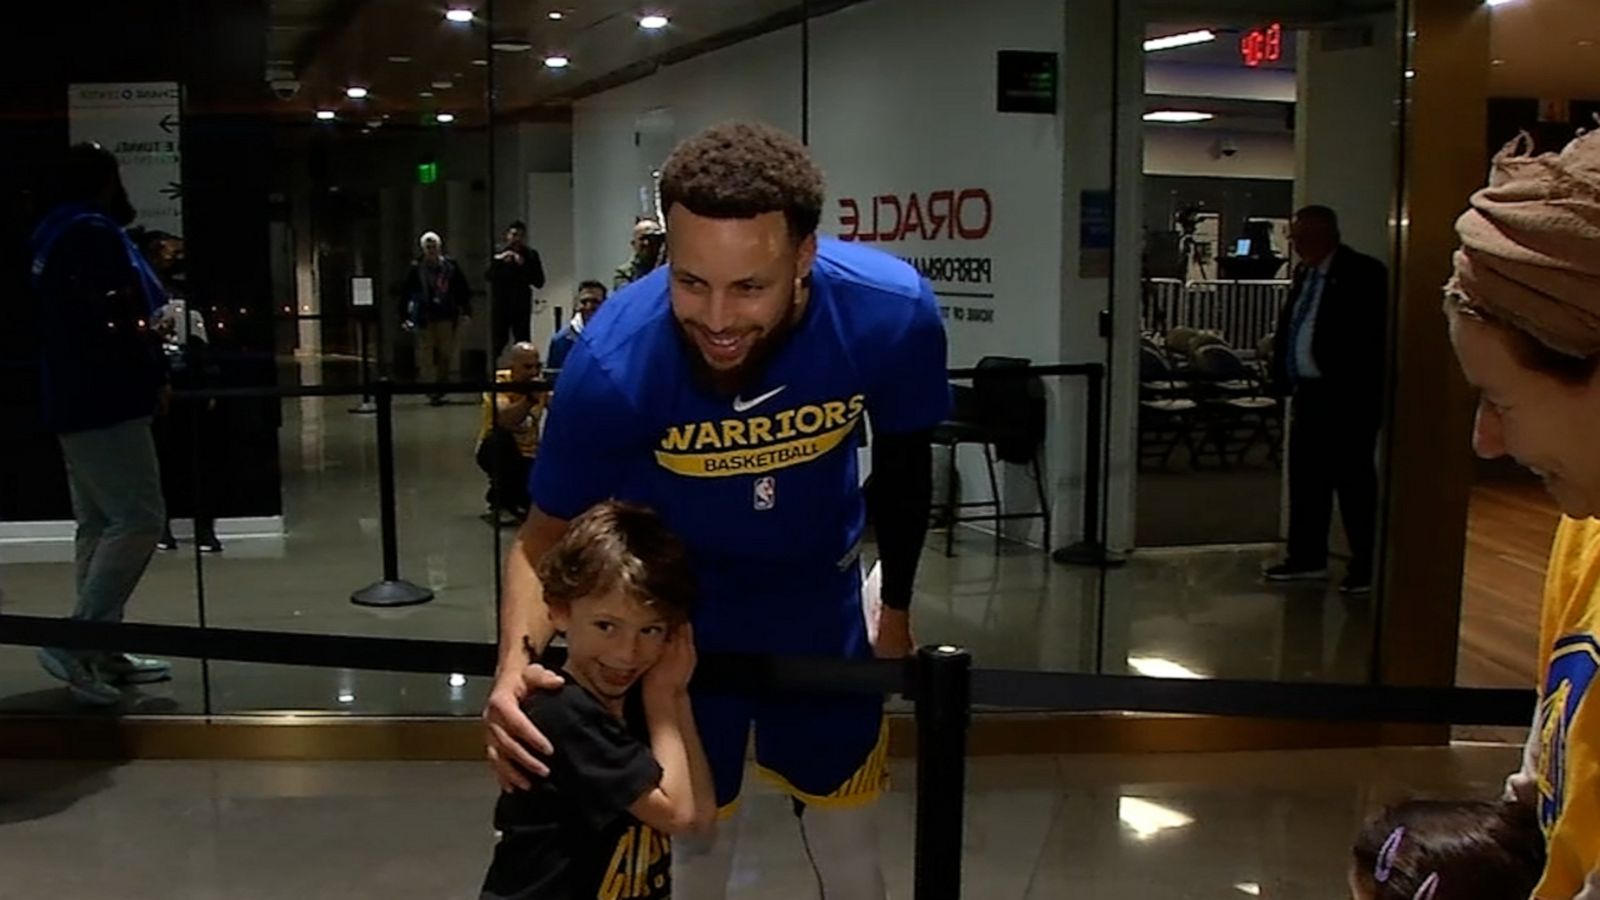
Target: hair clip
column 1428, row 888
column 1391, row 848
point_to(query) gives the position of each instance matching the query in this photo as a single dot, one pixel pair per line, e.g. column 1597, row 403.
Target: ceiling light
column 374, row 123
column 1177, row 116
column 653, row 22
column 458, row 680
column 556, row 15
column 426, row 95
column 1158, row 667
column 347, row 697
column 556, row 61
column 1186, row 39
column 1497, row 2
column 326, row 115
column 1411, row 73
column 459, row 15
column 1248, row 888
column 480, row 62
column 445, row 118
column 1148, row 819
column 512, row 45
column 1497, row 62
column 397, row 58
column 356, row 92
column 443, row 84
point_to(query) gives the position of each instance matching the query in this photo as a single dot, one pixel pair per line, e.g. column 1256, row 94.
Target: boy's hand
column 670, row 675
column 509, row 731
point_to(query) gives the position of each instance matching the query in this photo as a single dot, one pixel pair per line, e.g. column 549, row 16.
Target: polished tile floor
column 1187, row 827
column 1169, row 612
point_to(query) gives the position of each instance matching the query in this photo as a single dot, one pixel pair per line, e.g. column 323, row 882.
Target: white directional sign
column 139, row 122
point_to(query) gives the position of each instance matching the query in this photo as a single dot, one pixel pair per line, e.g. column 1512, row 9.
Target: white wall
column 902, row 102
column 1180, row 150
column 757, row 79
column 1347, row 128
column 549, row 199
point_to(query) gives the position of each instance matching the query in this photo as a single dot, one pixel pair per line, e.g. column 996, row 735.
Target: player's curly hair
column 739, row 170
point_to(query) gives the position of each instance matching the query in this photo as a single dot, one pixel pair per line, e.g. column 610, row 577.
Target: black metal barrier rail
column 996, row 688
column 939, row 680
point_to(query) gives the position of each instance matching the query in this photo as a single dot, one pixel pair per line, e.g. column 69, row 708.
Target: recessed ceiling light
column 480, row 62
column 1497, row 2
column 458, row 680
column 557, row 61
column 445, row 118
column 356, row 92
column 426, row 95
column 1177, row 116
column 512, row 45
column 374, row 123
column 1411, row 73
column 556, row 15
column 398, row 58
column 459, row 15
column 653, row 22
column 1186, row 39
column 326, row 115
column 443, row 84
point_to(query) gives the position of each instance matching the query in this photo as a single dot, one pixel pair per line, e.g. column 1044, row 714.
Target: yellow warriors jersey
column 1565, row 745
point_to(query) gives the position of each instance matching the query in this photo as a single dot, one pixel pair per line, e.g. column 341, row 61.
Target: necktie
column 1302, row 312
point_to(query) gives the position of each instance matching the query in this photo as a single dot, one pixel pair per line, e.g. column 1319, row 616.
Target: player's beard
column 729, row 382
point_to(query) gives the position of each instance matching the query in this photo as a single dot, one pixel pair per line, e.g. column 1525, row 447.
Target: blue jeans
column 116, row 498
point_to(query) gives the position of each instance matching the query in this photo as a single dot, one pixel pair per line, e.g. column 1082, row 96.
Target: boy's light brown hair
column 614, row 545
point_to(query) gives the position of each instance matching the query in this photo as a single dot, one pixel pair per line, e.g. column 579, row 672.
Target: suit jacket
column 1349, row 335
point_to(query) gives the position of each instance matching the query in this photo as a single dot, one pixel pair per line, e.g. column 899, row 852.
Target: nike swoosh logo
column 742, row 405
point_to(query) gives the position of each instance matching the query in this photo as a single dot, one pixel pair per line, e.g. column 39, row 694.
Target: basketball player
column 727, row 391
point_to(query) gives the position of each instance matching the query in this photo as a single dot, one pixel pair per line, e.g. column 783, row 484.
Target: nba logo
column 766, row 493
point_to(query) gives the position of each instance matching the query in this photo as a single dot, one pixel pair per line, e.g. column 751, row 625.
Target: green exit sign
column 427, row 173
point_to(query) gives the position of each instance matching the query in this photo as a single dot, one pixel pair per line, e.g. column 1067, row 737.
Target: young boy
column 630, row 771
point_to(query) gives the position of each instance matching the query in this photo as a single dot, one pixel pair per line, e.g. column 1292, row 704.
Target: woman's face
column 1548, row 426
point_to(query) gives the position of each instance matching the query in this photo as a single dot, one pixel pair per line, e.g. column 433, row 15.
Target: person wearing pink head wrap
column 1524, row 314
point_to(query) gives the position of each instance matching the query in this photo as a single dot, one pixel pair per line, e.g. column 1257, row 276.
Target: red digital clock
column 1262, row 45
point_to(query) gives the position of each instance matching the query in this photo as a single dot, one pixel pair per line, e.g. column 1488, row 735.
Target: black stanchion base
column 391, row 593
column 1085, row 553
column 365, row 408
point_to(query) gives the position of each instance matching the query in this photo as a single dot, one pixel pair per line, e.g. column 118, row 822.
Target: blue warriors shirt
column 762, row 486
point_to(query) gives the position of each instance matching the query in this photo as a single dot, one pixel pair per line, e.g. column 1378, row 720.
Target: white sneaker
column 125, row 668
column 84, row 683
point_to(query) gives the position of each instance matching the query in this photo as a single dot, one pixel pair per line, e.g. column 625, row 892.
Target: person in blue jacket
column 103, row 377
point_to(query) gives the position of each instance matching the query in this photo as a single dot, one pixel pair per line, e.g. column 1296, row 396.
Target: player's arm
column 902, row 474
column 911, row 396
column 525, row 631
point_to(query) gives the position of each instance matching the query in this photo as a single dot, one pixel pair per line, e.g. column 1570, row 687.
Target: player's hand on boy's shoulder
column 671, row 673
column 509, row 732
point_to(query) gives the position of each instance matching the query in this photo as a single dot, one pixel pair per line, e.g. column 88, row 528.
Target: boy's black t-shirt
column 571, row 837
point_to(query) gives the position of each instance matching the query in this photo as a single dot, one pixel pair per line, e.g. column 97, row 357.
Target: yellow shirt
column 527, row 431
column 1565, row 746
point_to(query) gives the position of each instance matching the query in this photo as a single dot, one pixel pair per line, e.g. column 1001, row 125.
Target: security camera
column 284, row 88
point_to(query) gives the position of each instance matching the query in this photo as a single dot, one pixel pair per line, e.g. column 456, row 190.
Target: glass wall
column 1076, row 185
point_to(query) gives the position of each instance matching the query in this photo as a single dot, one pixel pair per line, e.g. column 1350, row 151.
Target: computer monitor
column 1241, row 247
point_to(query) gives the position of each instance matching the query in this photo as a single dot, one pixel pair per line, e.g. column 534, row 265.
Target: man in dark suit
column 1328, row 355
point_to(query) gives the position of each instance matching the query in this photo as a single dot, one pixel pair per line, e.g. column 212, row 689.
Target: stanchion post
column 944, row 709
column 392, row 590
column 366, row 406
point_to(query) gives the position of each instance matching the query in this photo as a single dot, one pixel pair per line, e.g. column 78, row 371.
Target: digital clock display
column 1262, row 45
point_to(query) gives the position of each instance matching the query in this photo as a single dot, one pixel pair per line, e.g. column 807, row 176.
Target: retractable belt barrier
column 939, row 680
